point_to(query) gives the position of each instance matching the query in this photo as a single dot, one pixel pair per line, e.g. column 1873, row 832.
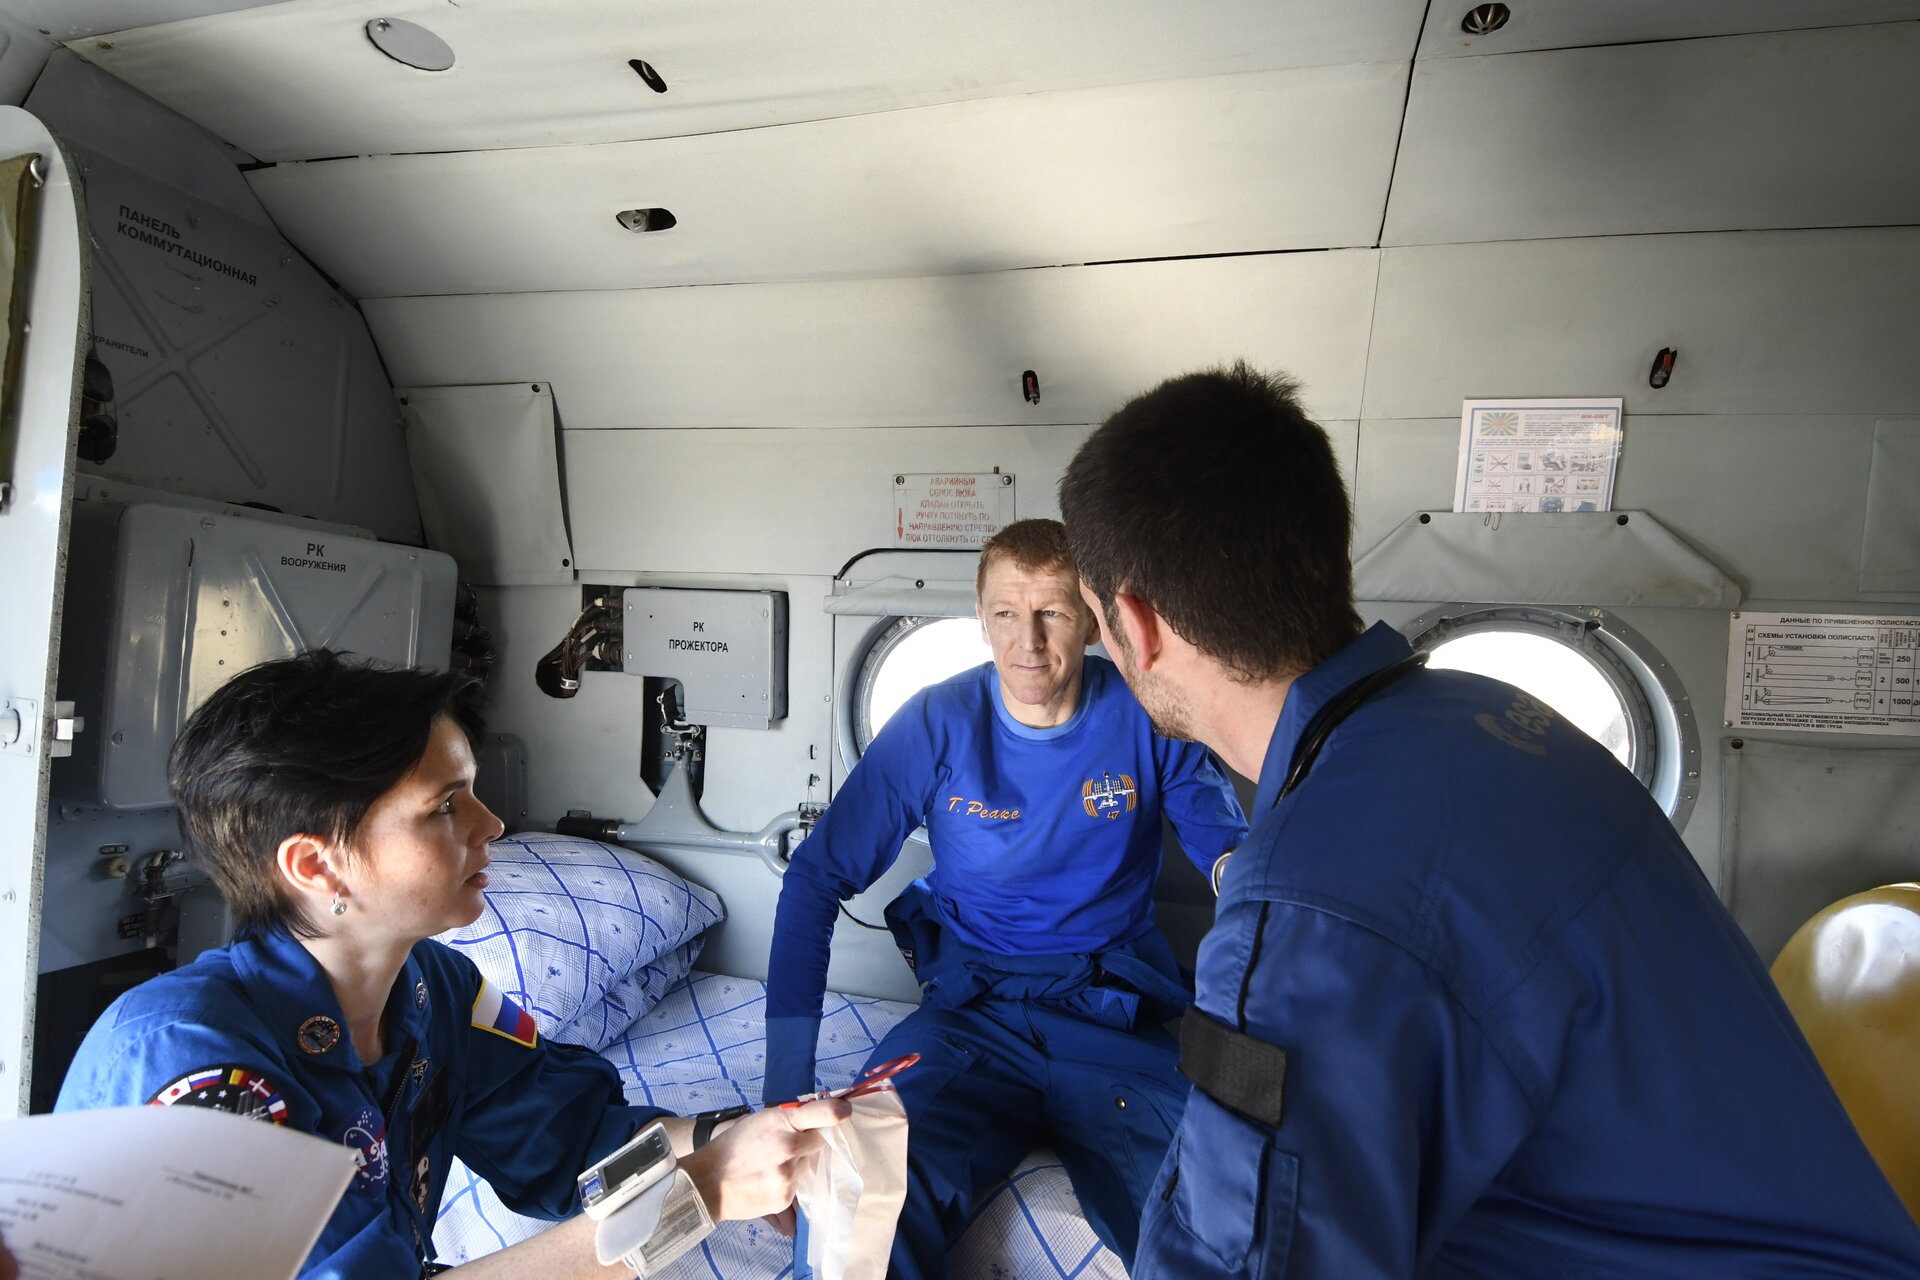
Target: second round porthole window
column 1593, row 669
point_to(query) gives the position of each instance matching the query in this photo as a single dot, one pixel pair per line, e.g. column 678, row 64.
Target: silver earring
column 339, row 907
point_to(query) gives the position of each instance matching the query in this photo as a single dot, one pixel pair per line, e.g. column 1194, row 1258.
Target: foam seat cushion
column 585, row 936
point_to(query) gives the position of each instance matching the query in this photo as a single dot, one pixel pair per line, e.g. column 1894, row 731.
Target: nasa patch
column 234, row 1089
column 366, row 1133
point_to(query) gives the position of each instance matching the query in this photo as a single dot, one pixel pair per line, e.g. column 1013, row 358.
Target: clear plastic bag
column 853, row 1187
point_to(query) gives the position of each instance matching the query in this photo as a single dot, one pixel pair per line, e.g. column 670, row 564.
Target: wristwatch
column 648, row 1209
column 705, row 1123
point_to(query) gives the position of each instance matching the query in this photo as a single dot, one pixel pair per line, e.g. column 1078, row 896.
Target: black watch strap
column 705, row 1123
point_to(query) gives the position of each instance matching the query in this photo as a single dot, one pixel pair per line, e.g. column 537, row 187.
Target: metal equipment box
column 728, row 650
column 186, row 599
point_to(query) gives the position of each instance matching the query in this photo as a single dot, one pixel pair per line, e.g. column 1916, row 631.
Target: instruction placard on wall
column 1823, row 673
column 1537, row 455
column 950, row 508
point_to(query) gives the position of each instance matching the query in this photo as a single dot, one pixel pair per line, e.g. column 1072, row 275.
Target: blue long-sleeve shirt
column 1045, row 841
column 1523, row 1037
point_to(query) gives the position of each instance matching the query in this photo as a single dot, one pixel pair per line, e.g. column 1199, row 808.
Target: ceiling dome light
column 410, row 43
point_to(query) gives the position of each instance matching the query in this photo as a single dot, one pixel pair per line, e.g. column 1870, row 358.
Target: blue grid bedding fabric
column 584, row 936
column 702, row 1047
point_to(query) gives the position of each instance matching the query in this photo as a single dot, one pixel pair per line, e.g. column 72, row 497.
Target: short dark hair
column 1215, row 498
column 300, row 746
column 1034, row 544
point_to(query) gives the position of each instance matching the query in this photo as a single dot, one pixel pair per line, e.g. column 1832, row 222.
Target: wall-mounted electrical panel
column 728, row 650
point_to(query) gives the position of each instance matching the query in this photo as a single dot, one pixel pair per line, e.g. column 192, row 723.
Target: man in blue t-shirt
column 1468, row 1007
column 1044, row 981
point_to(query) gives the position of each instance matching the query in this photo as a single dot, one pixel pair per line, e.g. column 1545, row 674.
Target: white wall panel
column 1134, row 171
column 787, row 502
column 784, row 502
column 1797, row 322
column 584, row 752
column 1564, row 24
column 1775, row 501
column 925, row 352
column 1793, row 129
column 300, row 80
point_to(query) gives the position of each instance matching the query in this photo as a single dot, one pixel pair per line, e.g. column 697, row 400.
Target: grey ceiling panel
column 1793, row 129
column 1130, row 171
column 301, row 80
column 1793, row 322
column 944, row 351
column 1566, row 24
column 72, row 19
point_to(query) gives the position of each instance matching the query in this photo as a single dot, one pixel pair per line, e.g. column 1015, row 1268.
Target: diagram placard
column 1825, row 673
column 1537, row 455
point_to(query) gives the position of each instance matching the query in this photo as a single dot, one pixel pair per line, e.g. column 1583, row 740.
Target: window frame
column 1664, row 742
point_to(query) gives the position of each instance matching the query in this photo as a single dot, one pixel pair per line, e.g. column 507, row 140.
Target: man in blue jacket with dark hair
column 1044, row 981
column 1468, row 1006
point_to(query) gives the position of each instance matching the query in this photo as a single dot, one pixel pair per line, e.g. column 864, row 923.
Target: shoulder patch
column 236, row 1089
column 493, row 1012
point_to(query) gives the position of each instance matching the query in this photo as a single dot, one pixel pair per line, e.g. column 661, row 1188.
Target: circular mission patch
column 235, row 1089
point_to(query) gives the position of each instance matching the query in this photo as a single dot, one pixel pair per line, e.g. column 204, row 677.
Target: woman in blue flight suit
column 333, row 804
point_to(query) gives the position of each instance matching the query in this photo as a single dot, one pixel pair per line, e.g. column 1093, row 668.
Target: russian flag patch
column 494, row 1012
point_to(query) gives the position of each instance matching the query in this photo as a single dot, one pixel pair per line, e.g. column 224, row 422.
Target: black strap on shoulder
column 1243, row 1074
column 1337, row 709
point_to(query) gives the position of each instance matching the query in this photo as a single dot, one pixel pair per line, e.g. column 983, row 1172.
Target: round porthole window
column 905, row 657
column 1590, row 667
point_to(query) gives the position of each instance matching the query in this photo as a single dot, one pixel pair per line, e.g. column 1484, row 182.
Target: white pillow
column 584, row 936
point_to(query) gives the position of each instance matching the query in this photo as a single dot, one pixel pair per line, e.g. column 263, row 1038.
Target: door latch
column 22, row 728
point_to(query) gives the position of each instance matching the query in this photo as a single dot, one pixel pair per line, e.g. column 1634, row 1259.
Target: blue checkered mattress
column 702, row 1047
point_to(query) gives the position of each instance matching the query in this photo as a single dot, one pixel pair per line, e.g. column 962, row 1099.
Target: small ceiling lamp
column 1485, row 19
column 410, row 43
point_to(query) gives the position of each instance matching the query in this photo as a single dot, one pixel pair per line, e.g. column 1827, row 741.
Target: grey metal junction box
column 167, row 603
column 728, row 650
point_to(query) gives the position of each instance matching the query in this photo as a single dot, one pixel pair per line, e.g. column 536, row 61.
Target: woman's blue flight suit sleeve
column 882, row 802
column 1397, row 1112
column 531, row 1119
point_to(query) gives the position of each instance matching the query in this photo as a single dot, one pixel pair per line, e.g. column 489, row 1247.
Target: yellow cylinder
column 1851, row 976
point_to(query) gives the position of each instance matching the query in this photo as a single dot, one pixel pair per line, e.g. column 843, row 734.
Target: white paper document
column 164, row 1193
column 1537, row 455
column 1833, row 673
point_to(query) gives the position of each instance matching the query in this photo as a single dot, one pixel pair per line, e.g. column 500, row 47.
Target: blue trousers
column 999, row 1077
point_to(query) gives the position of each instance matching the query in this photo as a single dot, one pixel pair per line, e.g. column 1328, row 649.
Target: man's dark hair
column 301, row 746
column 1216, row 499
